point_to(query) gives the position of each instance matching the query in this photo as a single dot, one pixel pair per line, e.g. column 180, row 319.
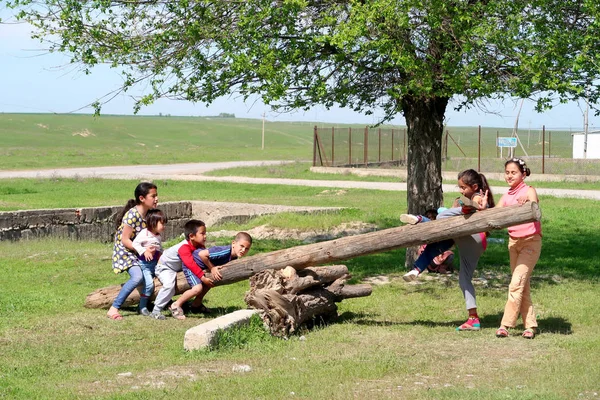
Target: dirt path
column 195, row 171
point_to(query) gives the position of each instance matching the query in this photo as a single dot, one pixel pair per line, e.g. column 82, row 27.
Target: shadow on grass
column 214, row 312
column 555, row 325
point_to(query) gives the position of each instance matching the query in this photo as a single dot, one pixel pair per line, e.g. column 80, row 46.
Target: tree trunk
column 425, row 127
column 348, row 247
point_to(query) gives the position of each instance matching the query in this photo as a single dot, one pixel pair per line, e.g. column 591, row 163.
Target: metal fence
column 352, row 147
column 546, row 150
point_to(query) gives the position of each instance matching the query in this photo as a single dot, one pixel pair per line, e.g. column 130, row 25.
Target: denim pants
column 135, row 279
column 148, row 271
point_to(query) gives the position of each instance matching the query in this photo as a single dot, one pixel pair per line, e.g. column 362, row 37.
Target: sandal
column 115, row 317
column 177, row 313
column 501, row 332
column 529, row 333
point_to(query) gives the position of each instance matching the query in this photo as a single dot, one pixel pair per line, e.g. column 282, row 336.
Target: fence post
column 405, row 155
column 549, row 143
column 366, row 147
column 479, row 149
column 543, row 148
column 446, row 145
column 315, row 146
column 497, row 148
column 392, row 145
column 350, row 146
column 379, row 152
column 332, row 146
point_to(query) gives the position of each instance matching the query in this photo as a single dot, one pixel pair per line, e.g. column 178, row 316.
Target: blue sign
column 507, row 142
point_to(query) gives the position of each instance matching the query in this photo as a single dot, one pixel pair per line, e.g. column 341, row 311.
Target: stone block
column 204, row 335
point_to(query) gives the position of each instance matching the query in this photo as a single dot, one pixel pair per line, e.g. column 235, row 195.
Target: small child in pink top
column 524, row 248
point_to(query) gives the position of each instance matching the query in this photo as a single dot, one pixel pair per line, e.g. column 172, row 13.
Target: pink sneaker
column 472, row 324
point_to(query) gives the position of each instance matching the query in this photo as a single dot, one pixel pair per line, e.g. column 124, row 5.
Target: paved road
column 195, row 171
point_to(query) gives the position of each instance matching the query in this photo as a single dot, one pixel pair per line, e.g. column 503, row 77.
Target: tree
column 409, row 57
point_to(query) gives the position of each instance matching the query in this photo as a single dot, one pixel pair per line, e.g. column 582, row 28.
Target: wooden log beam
column 311, row 276
column 349, row 247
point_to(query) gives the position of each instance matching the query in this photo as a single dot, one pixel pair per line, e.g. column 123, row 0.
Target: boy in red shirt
column 195, row 233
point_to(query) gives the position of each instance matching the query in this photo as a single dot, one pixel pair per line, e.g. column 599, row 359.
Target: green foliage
column 357, row 54
column 410, row 57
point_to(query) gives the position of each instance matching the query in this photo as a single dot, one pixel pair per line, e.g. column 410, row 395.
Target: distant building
column 593, row 145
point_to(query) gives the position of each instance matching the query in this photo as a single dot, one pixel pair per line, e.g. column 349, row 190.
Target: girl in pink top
column 524, row 248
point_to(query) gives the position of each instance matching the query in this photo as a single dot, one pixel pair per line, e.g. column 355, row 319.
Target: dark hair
column 191, row 227
column 431, row 213
column 153, row 217
column 471, row 177
column 520, row 164
column 243, row 236
column 141, row 190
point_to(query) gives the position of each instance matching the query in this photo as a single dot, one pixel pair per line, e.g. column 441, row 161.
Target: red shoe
column 472, row 324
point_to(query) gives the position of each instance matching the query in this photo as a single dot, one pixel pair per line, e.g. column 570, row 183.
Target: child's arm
column 215, row 271
column 144, row 246
column 186, row 253
column 531, row 196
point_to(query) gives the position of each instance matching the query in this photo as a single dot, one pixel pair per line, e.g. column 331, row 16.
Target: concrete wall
column 93, row 223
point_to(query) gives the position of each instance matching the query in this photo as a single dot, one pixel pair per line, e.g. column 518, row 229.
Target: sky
column 34, row 81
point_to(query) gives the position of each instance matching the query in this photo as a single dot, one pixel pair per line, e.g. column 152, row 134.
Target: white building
column 593, row 145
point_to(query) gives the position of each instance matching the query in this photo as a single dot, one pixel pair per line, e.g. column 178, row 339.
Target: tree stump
column 288, row 298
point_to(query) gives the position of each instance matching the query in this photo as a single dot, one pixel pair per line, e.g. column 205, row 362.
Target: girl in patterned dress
column 129, row 222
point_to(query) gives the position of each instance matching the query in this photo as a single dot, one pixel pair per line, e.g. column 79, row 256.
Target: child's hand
column 208, row 282
column 149, row 253
column 522, row 200
column 216, row 274
column 483, row 200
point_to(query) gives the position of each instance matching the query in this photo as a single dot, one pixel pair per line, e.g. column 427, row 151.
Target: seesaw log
column 349, row 247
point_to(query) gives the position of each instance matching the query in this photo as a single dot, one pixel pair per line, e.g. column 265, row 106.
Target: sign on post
column 507, row 142
column 510, row 142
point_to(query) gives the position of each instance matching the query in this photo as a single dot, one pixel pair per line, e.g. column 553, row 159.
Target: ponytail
column 471, row 177
column 119, row 217
column 141, row 190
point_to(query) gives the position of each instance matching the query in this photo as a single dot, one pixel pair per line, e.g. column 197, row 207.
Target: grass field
column 300, row 170
column 398, row 343
column 30, row 141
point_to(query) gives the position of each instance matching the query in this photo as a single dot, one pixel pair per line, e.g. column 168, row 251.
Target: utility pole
column 262, row 147
column 585, row 128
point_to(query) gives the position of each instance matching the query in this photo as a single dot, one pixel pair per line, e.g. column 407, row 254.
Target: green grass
column 398, row 343
column 32, row 141
column 301, row 170
column 36, row 141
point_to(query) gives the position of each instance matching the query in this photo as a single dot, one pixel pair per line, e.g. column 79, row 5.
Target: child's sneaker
column 144, row 311
column 411, row 275
column 157, row 315
column 472, row 324
column 410, row 219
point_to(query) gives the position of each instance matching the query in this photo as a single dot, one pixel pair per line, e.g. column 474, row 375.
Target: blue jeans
column 135, row 278
column 431, row 251
column 148, row 268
